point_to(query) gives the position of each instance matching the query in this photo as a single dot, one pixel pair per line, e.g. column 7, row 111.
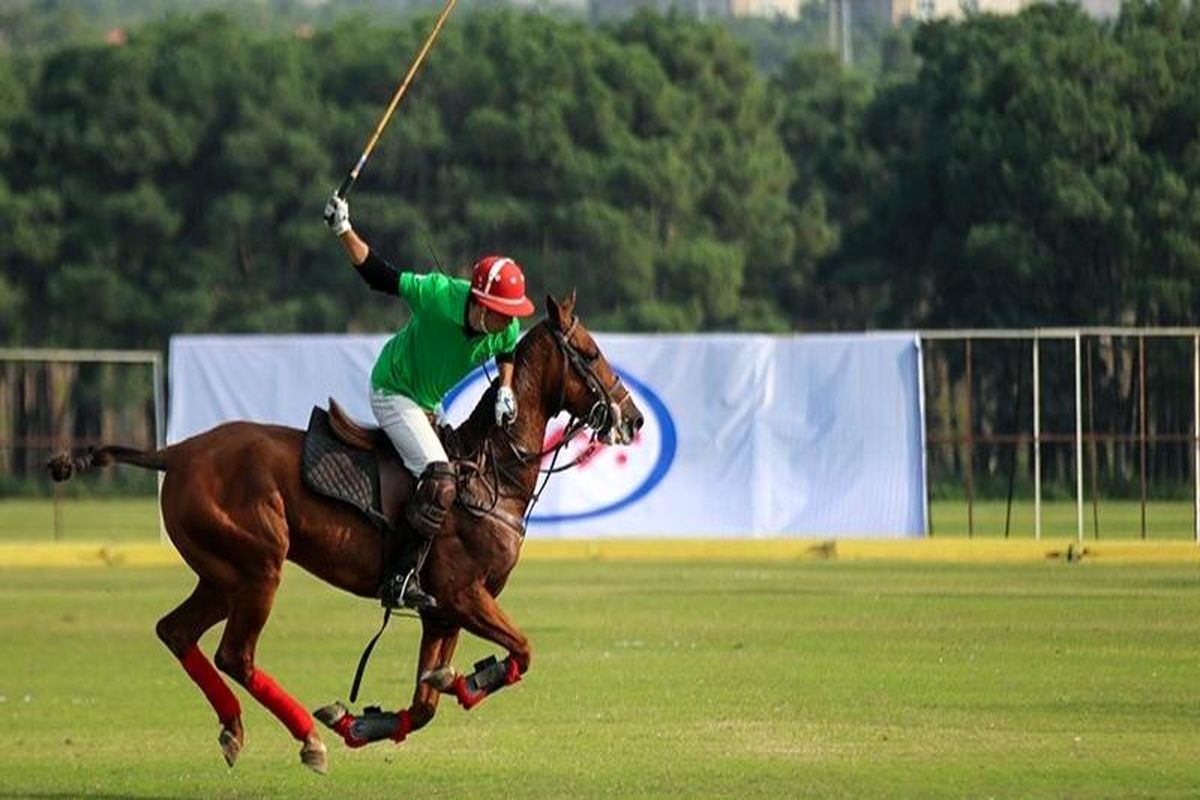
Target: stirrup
column 403, row 591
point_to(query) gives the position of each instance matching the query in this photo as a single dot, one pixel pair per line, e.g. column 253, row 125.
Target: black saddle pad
column 332, row 468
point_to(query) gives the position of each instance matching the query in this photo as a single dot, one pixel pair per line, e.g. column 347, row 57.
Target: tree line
column 1032, row 169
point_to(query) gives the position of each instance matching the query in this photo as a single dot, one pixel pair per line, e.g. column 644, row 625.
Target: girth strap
column 478, row 508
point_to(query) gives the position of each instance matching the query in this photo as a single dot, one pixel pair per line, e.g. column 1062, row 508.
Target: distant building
column 701, row 9
column 1101, row 9
column 939, row 9
column 552, row 5
column 894, row 10
column 608, row 9
column 765, row 8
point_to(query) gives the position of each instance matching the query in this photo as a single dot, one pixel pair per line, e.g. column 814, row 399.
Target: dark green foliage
column 1041, row 169
column 1027, row 170
column 176, row 182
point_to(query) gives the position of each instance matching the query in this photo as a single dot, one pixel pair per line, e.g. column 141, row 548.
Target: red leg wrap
column 342, row 728
column 514, row 672
column 465, row 698
column 468, row 699
column 266, row 691
column 200, row 670
column 403, row 727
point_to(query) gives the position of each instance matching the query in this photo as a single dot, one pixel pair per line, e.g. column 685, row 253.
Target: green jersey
column 435, row 349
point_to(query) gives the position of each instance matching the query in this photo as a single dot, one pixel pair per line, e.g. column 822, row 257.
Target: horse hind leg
column 180, row 631
column 248, row 612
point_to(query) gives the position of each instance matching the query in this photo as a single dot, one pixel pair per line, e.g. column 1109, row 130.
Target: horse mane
column 528, row 364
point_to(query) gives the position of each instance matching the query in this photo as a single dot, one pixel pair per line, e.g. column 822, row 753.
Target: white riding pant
column 408, row 426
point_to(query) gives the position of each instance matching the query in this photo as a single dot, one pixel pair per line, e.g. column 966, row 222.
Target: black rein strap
column 366, row 656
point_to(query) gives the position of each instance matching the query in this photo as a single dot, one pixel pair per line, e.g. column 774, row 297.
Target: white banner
column 745, row 435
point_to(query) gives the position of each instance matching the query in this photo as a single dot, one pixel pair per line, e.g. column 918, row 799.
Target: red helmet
column 498, row 283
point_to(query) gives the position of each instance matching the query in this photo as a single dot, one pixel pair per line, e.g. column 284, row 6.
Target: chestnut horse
column 235, row 507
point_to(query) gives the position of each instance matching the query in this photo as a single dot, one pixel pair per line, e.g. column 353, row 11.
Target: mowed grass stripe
column 687, row 679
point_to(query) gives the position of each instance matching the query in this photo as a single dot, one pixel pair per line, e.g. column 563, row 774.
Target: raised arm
column 378, row 273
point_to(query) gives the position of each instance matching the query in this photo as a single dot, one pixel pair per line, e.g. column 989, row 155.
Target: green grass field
column 739, row 680
column 75, row 520
column 1166, row 520
column 136, row 519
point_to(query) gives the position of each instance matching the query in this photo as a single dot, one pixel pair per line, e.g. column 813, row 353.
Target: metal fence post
column 1078, row 439
column 1037, row 437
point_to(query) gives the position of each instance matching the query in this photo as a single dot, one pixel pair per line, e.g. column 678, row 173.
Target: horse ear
column 554, row 311
column 568, row 304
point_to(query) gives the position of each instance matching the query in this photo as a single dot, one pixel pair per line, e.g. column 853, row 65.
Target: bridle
column 605, row 413
column 602, row 418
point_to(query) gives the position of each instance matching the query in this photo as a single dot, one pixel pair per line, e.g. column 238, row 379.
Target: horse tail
column 63, row 466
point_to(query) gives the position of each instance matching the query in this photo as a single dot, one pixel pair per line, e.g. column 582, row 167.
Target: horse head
column 588, row 388
column 558, row 368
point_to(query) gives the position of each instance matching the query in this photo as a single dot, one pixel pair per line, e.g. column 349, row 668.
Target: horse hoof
column 332, row 714
column 231, row 743
column 314, row 756
column 440, row 679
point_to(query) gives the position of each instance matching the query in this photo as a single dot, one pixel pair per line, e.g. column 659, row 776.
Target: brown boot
column 426, row 513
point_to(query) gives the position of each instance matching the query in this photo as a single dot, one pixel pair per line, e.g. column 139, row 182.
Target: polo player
column 455, row 326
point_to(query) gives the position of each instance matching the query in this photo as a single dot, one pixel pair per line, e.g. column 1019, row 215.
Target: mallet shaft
column 352, row 176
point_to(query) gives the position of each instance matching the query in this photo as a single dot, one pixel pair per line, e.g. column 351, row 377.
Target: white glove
column 337, row 214
column 506, row 406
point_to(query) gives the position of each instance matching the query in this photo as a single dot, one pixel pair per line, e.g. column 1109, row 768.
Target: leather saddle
column 356, row 464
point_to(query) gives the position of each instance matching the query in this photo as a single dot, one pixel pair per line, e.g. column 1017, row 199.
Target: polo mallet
column 352, row 175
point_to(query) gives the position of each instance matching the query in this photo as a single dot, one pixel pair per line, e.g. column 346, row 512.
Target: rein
column 599, row 418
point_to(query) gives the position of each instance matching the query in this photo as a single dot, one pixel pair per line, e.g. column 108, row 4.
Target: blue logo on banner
column 656, row 414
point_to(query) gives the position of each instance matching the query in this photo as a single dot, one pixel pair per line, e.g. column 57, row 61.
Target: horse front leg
column 482, row 616
column 373, row 725
column 442, row 641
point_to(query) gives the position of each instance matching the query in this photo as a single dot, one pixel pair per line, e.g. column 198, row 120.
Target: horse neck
column 533, row 363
